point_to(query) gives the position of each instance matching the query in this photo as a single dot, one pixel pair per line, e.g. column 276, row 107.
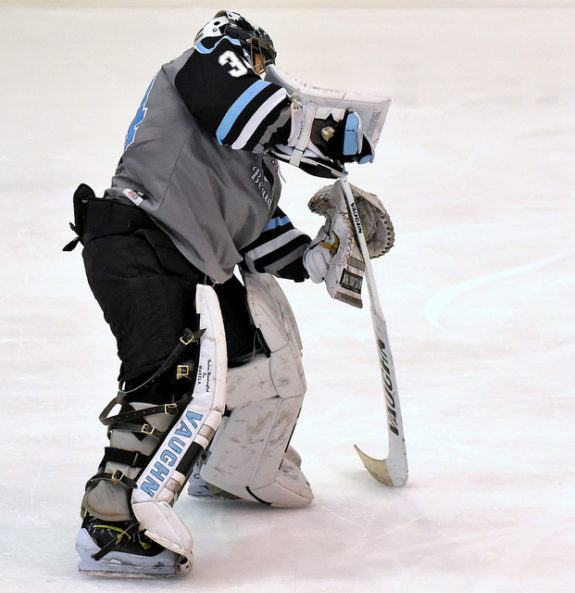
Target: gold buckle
column 117, row 476
column 192, row 337
column 183, row 371
column 147, row 429
column 171, row 409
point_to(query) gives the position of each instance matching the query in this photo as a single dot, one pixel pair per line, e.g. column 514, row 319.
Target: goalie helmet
column 252, row 38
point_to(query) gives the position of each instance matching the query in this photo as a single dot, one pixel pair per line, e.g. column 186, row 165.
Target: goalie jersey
column 195, row 159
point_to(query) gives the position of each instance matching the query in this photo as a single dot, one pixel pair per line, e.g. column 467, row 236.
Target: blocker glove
column 341, row 139
column 322, row 139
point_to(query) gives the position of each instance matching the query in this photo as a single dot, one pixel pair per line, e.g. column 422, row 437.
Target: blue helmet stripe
column 207, row 50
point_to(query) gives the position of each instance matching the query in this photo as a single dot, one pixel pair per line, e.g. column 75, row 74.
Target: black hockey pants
column 146, row 288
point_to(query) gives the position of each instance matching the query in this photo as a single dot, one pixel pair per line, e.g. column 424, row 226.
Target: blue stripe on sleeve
column 276, row 222
column 237, row 107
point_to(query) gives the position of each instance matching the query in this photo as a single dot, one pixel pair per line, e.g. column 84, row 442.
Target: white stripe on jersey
column 257, row 118
column 269, row 247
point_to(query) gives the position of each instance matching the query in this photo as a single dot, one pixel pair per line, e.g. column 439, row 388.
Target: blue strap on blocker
column 351, row 134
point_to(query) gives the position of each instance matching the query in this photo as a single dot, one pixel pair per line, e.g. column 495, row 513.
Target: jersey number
column 237, row 66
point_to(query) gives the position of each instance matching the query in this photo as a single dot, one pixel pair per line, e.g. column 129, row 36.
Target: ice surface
column 476, row 166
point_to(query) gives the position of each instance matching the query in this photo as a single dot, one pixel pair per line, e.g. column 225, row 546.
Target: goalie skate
column 118, row 549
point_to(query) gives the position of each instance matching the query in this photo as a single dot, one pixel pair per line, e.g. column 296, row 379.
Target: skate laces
column 119, row 536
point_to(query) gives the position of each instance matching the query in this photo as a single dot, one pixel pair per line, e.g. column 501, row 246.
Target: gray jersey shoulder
column 210, row 199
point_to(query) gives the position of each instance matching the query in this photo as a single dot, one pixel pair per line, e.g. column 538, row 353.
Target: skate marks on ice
column 436, row 308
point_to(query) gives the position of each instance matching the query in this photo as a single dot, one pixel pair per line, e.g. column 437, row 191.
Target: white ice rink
column 476, row 166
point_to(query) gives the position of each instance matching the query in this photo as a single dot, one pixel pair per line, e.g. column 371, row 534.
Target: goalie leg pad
column 161, row 481
column 249, row 457
column 153, row 450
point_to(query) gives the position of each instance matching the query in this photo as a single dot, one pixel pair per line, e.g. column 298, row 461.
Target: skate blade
column 120, row 570
column 129, row 575
column 129, row 571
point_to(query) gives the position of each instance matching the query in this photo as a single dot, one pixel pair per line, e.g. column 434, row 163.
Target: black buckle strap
column 117, row 477
column 135, row 415
column 188, row 337
column 131, row 458
column 125, row 421
column 144, row 428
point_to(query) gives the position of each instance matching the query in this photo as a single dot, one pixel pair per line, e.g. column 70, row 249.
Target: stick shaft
column 393, row 470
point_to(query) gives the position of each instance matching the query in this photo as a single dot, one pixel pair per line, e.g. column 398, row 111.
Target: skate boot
column 119, row 549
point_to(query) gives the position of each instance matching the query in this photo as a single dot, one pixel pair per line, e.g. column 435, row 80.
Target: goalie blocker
column 328, row 127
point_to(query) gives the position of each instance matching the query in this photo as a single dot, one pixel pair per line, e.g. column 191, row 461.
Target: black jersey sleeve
column 221, row 89
column 278, row 250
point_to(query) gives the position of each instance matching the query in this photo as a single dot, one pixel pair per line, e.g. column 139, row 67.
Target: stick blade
column 384, row 470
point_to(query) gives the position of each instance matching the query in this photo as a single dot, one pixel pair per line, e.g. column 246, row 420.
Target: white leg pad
column 247, row 457
column 161, row 481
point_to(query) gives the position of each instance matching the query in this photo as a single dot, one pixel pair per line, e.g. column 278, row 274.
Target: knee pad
column 247, row 457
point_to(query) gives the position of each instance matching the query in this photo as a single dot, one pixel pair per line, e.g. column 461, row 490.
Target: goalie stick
column 392, row 470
